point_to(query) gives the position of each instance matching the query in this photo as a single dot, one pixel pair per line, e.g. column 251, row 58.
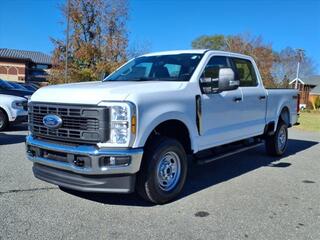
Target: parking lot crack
column 27, row 190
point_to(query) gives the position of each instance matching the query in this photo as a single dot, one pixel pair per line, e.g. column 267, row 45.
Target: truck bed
column 277, row 98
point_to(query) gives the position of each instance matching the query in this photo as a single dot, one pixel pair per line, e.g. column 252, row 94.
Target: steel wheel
column 164, row 170
column 282, row 138
column 168, row 171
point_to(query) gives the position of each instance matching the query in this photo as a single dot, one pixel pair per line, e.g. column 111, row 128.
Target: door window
column 245, row 72
column 211, row 71
column 218, row 61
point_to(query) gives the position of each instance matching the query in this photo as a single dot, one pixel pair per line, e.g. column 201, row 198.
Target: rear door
column 254, row 99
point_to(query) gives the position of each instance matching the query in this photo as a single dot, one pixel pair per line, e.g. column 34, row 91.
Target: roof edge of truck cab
column 196, row 51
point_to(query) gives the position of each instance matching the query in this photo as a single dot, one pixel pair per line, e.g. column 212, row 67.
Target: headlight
column 119, row 113
column 122, row 123
column 18, row 104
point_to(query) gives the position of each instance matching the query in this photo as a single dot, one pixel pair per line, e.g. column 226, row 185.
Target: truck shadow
column 204, row 176
column 7, row 139
column 18, row 127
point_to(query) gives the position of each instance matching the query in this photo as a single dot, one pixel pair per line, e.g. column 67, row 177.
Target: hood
column 10, row 98
column 95, row 92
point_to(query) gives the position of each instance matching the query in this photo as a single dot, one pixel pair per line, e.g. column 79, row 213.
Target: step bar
column 224, row 155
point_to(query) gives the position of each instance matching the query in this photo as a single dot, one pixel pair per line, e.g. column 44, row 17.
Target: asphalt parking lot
column 247, row 196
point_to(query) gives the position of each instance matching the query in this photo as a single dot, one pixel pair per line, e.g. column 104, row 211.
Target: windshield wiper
column 133, row 79
column 143, row 79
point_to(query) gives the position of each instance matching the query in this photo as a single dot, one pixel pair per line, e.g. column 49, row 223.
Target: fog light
column 115, row 161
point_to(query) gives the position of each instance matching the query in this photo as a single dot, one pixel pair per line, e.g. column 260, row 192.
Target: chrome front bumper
column 92, row 153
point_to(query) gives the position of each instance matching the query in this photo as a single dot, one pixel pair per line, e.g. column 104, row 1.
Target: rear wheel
column 163, row 172
column 277, row 143
column 3, row 120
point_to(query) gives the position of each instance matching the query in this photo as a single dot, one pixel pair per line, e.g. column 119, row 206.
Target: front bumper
column 18, row 115
column 55, row 163
column 85, row 183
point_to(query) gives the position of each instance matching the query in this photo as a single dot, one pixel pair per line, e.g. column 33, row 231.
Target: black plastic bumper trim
column 85, row 183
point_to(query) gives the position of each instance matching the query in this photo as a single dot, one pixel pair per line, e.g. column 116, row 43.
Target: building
column 309, row 89
column 24, row 66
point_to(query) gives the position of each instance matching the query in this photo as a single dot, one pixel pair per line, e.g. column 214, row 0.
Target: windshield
column 5, row 85
column 178, row 67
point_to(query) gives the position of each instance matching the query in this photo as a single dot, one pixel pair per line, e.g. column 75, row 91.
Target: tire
column 3, row 120
column 164, row 170
column 277, row 143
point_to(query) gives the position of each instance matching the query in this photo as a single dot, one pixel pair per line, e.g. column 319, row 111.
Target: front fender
column 155, row 121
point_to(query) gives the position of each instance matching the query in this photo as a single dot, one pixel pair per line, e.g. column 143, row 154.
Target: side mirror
column 226, row 80
column 217, row 79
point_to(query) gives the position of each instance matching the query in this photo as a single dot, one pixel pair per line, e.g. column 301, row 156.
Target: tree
column 245, row 44
column 98, row 40
column 285, row 65
column 217, row 42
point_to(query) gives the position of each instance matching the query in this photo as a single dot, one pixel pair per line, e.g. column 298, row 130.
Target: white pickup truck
column 137, row 129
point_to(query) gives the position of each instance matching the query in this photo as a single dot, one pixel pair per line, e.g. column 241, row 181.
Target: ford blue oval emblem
column 52, row 121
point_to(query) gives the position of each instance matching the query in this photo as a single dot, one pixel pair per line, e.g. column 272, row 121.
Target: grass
column 309, row 120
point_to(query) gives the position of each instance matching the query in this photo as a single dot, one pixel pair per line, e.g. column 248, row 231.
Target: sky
column 173, row 24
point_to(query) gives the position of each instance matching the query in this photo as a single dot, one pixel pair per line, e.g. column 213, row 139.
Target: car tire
column 277, row 143
column 164, row 170
column 3, row 120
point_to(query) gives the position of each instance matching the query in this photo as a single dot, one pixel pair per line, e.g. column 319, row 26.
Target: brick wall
column 13, row 71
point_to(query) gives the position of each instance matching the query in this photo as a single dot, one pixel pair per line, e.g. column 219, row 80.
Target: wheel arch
column 5, row 112
column 284, row 115
column 173, row 128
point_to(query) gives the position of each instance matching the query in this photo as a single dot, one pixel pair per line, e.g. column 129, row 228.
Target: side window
column 211, row 71
column 245, row 72
column 213, row 66
column 218, row 61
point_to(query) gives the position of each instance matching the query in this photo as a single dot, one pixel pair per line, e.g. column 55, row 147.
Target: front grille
column 79, row 123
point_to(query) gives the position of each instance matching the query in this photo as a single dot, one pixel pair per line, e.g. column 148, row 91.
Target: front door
column 221, row 113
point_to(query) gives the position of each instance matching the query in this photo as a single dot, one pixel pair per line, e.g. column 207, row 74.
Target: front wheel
column 163, row 172
column 277, row 143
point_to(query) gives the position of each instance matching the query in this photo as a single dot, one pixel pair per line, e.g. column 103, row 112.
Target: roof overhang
column 294, row 80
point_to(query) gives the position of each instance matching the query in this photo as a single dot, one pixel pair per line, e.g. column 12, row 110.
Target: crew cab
column 137, row 129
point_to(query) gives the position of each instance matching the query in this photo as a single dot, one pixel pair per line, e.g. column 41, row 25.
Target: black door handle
column 262, row 97
column 237, row 99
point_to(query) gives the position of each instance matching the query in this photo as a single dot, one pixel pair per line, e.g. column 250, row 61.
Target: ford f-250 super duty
column 135, row 129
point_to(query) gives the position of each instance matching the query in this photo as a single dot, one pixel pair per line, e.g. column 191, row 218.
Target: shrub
column 317, row 103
